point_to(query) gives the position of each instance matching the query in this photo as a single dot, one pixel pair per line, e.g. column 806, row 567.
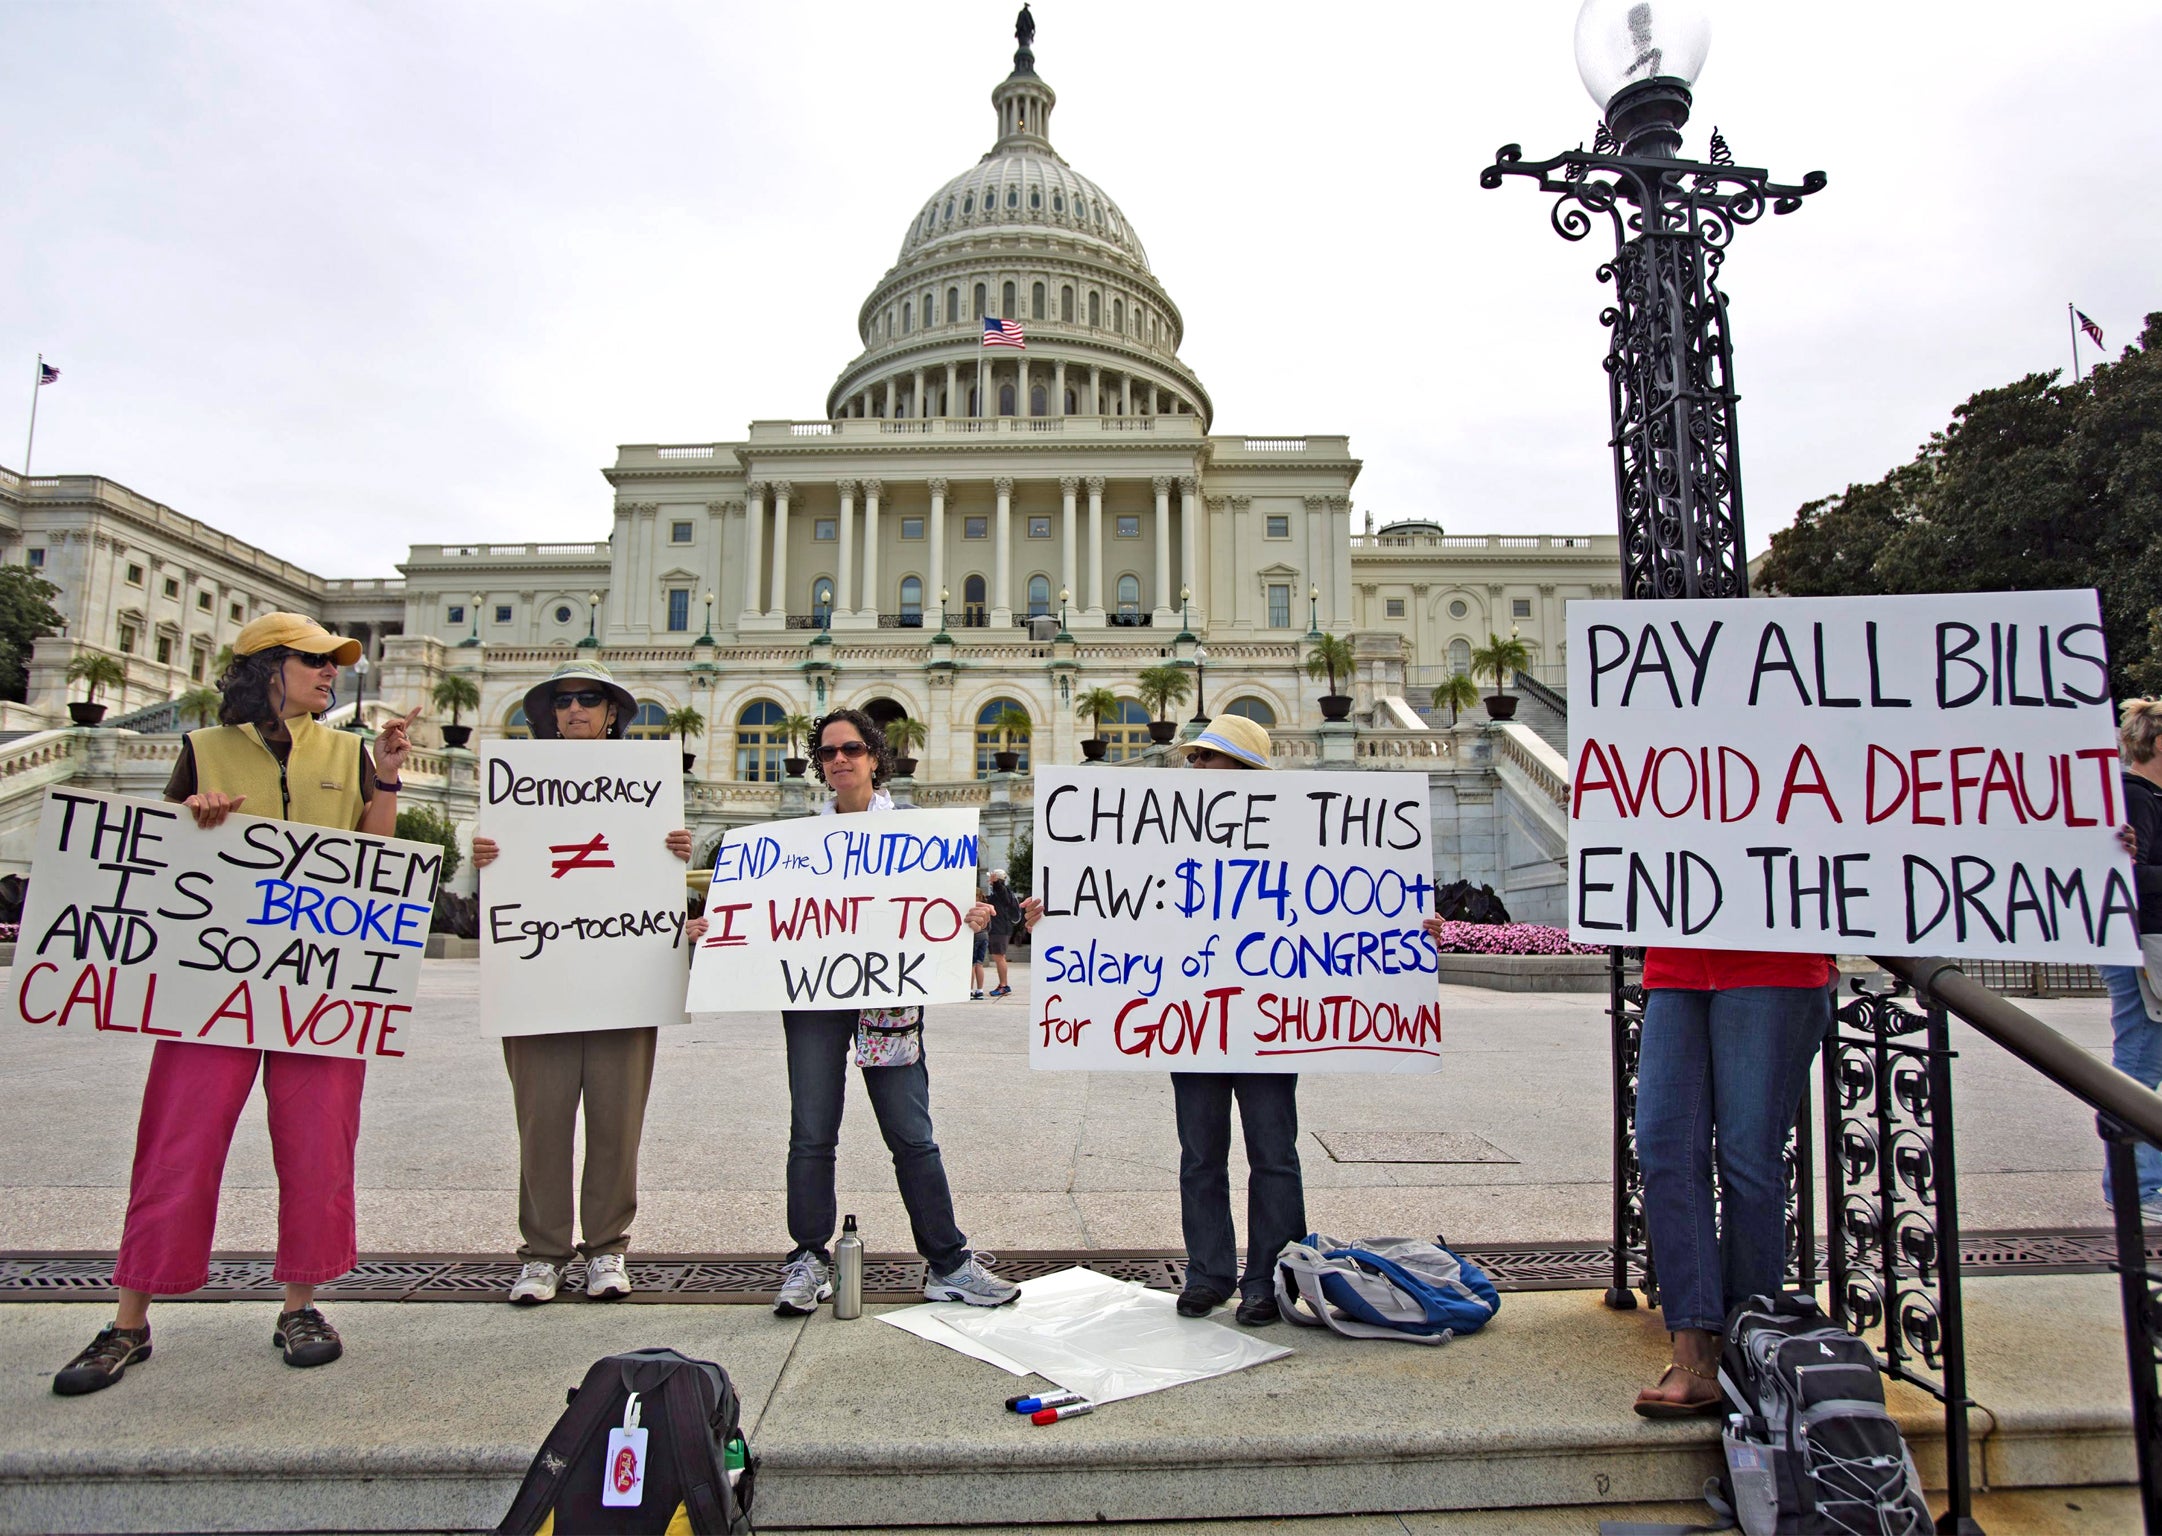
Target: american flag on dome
column 47, row 373
column 1003, row 333
column 2093, row 330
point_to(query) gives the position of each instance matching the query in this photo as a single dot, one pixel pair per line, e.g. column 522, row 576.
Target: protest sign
column 1886, row 775
column 1233, row 922
column 582, row 913
column 273, row 934
column 839, row 912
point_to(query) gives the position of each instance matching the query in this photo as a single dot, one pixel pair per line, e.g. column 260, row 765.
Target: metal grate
column 892, row 1277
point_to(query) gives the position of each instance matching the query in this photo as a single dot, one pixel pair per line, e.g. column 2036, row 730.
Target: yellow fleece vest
column 319, row 783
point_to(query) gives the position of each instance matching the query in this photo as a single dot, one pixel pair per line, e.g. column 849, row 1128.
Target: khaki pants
column 611, row 1070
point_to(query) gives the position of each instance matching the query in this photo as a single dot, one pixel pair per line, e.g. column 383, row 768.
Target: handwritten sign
column 839, row 912
column 272, row 934
column 1896, row 775
column 1233, row 922
column 582, row 913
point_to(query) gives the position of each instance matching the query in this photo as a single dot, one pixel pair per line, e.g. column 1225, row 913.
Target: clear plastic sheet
column 1105, row 1339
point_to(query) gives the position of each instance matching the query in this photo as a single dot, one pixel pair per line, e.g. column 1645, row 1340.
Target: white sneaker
column 803, row 1286
column 606, row 1278
column 973, row 1283
column 535, row 1284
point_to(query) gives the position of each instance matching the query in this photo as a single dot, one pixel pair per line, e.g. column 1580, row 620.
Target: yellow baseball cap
column 295, row 634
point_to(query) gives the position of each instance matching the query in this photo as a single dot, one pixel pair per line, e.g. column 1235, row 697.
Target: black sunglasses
column 314, row 659
column 827, row 754
column 586, row 698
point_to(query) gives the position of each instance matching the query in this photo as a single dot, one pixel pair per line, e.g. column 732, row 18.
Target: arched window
column 912, row 602
column 1118, row 314
column 650, row 723
column 1256, row 710
column 982, row 297
column 953, row 305
column 908, row 318
column 973, row 613
column 1459, row 657
column 1013, row 197
column 1096, row 310
column 1073, row 403
column 975, row 408
column 1126, row 732
column 968, row 203
column 1035, row 301
column 516, row 728
column 1039, row 400
column 1006, row 301
column 1005, row 399
column 1035, row 199
column 1065, row 303
column 822, row 601
column 1129, row 597
column 760, row 743
column 990, row 739
column 1039, row 596
column 1058, row 202
column 949, row 208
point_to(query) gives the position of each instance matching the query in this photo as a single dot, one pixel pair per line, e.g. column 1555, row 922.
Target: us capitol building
column 963, row 531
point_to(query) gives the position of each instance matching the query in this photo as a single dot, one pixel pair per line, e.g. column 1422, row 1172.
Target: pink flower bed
column 1509, row 939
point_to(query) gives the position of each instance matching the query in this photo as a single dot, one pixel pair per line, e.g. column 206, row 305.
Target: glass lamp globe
column 1623, row 42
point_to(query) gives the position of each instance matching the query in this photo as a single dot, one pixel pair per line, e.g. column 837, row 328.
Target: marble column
column 1002, row 556
column 1164, row 593
column 1069, row 572
column 754, row 539
column 921, row 407
column 781, row 490
column 938, row 547
column 953, row 380
column 1126, row 397
column 1189, row 516
column 869, row 603
column 983, row 388
column 844, row 591
column 1058, row 387
column 1097, row 605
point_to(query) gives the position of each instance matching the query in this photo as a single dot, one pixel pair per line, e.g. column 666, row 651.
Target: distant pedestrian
column 979, row 950
column 269, row 756
column 2137, row 1037
column 1005, row 917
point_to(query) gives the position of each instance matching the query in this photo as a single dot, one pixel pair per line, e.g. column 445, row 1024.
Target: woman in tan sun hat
column 269, row 756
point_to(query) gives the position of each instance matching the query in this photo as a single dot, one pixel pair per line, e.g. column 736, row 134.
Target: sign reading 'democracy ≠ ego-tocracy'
column 1883, row 775
column 1241, row 921
column 867, row 910
column 272, row 934
column 582, row 913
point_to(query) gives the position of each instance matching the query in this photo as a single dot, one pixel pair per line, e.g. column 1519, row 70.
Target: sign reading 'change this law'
column 1239, row 921
column 1888, row 775
column 861, row 911
column 272, row 934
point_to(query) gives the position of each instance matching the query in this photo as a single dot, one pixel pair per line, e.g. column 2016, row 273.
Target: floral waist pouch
column 889, row 1037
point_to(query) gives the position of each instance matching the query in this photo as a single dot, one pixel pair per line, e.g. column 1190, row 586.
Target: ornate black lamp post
column 593, row 613
column 1201, row 685
column 1313, row 612
column 474, row 638
column 1670, row 363
column 360, row 691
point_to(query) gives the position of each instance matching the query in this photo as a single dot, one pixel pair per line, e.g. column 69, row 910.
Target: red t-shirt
column 1715, row 970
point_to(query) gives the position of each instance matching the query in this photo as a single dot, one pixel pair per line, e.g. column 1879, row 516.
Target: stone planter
column 1335, row 706
column 1093, row 749
column 1502, row 706
column 457, row 735
column 688, row 759
column 794, row 766
column 1525, row 973
column 86, row 714
column 1006, row 762
column 1161, row 731
column 904, row 767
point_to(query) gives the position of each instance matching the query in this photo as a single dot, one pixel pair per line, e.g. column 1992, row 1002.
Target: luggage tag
column 623, row 1475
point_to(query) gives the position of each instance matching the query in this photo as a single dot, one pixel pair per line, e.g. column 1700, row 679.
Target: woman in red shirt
column 1728, row 1039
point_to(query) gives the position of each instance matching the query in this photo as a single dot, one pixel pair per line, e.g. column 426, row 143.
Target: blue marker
column 1044, row 1400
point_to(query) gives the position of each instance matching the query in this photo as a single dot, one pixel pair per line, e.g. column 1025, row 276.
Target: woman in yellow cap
column 269, row 756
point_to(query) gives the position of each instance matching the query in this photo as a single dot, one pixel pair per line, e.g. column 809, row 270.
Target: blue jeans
column 1275, row 1192
column 1737, row 1060
column 819, row 1047
column 2136, row 1053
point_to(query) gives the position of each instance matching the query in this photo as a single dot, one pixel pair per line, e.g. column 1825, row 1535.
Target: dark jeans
column 819, row 1043
column 1275, row 1193
column 1735, row 1059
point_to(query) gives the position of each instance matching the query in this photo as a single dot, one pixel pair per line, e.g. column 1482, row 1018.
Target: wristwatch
column 390, row 786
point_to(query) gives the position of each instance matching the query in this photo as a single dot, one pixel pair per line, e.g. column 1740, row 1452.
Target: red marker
column 1053, row 1415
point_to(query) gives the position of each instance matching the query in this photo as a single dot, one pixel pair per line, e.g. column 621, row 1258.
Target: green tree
column 1094, row 706
column 1162, row 686
column 26, row 616
column 1498, row 658
column 426, row 824
column 1021, row 864
column 200, row 705
column 96, row 670
column 455, row 691
column 1457, row 694
column 906, row 736
column 1332, row 658
column 796, row 731
column 1013, row 725
column 686, row 723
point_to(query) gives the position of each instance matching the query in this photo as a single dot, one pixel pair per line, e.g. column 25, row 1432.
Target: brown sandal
column 1664, row 1408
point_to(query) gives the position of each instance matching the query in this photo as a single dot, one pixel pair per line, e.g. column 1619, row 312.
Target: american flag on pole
column 2093, row 331
column 47, row 373
column 1003, row 333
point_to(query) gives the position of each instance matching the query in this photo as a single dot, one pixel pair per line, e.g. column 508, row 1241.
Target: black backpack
column 692, row 1419
column 1809, row 1446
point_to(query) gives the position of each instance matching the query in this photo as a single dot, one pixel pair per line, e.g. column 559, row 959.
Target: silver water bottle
column 848, row 1272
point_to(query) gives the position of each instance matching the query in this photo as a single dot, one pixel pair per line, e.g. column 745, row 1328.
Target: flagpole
column 37, row 377
column 2071, row 318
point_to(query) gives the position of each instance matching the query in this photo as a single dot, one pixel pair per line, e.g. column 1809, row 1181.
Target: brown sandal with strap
column 1711, row 1407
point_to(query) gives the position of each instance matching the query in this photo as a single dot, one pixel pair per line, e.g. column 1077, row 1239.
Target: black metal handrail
column 1531, row 687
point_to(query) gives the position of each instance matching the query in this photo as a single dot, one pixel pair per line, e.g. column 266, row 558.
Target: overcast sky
column 338, row 278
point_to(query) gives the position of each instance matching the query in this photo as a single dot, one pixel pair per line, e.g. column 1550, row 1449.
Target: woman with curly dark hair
column 273, row 757
column 851, row 757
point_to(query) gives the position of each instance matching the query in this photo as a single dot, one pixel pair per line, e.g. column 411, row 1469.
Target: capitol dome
column 1019, row 236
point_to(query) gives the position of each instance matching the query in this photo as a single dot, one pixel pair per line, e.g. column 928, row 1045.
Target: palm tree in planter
column 200, row 705
column 795, row 729
column 455, row 691
column 1094, row 706
column 1331, row 658
column 1162, row 687
column 94, row 670
column 686, row 723
column 1497, row 659
column 1012, row 725
column 1459, row 693
column 907, row 738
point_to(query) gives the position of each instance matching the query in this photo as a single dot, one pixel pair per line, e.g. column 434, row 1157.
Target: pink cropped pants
column 191, row 1102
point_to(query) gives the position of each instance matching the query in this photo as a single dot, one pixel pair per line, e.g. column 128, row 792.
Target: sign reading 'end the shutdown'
column 1891, row 775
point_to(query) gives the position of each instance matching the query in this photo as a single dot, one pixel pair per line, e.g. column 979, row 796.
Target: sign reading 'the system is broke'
column 1895, row 775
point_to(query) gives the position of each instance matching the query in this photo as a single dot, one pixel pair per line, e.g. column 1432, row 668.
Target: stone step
column 433, row 1416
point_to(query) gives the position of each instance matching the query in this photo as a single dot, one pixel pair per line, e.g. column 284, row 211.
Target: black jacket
column 2143, row 809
